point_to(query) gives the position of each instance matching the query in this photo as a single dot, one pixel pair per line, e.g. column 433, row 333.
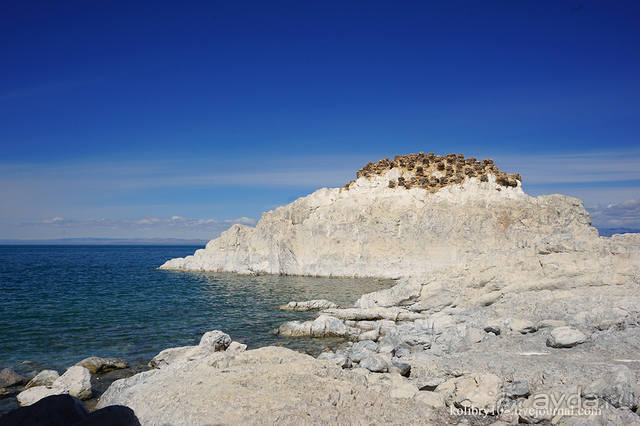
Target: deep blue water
column 60, row 304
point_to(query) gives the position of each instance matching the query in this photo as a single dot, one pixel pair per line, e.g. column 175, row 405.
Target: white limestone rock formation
column 461, row 230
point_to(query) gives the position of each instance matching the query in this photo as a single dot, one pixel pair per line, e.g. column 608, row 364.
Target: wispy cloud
column 594, row 167
column 297, row 172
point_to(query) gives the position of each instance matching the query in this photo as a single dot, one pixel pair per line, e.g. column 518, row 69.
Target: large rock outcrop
column 504, row 300
column 459, row 227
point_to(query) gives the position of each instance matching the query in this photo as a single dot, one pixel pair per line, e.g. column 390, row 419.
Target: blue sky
column 162, row 119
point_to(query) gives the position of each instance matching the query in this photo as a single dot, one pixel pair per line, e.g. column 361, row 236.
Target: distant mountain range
column 108, row 241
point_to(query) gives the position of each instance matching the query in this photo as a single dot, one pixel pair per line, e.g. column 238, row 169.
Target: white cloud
column 619, row 215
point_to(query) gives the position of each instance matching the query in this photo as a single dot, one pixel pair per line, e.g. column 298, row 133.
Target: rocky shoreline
column 508, row 309
column 474, row 365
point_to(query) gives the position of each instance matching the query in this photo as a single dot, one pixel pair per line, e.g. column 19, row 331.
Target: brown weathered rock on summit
column 433, row 172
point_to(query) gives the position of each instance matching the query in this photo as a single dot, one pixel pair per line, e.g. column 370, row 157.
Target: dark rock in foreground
column 64, row 410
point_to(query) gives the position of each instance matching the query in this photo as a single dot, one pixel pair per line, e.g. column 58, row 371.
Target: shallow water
column 60, row 304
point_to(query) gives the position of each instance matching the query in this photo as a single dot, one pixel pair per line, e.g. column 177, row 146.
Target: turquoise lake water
column 60, row 304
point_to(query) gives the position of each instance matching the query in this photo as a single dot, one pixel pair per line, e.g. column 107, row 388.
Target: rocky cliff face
column 434, row 219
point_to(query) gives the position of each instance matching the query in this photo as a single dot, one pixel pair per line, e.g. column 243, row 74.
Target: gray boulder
column 389, row 343
column 338, row 359
column 8, row 377
column 374, row 363
column 369, row 335
column 361, row 349
column 565, row 337
column 96, row 364
column 517, row 389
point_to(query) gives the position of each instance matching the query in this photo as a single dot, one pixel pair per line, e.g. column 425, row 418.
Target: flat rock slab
column 309, row 305
column 267, row 385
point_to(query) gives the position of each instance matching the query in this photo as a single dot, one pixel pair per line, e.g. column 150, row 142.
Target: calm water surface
column 60, row 304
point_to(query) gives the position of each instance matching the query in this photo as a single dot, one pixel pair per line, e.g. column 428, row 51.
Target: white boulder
column 76, row 381
column 43, row 378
